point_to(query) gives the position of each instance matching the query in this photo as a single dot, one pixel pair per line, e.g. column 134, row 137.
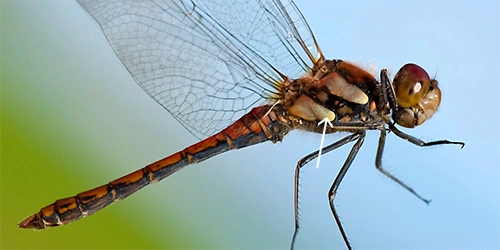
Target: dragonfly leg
column 419, row 142
column 302, row 162
column 386, row 94
column 378, row 165
column 336, row 183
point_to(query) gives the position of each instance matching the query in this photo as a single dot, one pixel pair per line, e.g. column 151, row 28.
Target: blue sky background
column 73, row 119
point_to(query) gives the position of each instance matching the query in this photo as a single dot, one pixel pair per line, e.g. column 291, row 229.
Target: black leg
column 387, row 90
column 419, row 142
column 302, row 162
column 333, row 189
column 378, row 165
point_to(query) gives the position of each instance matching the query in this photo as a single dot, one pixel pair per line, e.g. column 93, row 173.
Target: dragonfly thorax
column 339, row 91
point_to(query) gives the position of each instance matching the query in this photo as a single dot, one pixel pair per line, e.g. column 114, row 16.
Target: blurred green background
column 65, row 130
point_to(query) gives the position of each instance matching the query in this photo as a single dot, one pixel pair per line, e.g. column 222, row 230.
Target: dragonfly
column 239, row 73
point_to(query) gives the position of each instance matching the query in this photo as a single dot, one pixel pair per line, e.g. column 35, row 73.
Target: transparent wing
column 211, row 61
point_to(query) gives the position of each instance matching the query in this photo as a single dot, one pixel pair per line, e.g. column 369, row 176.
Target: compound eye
column 411, row 84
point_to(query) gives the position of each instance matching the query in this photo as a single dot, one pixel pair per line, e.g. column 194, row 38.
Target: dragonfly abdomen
column 257, row 126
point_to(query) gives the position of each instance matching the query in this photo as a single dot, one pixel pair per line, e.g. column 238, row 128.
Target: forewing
column 207, row 62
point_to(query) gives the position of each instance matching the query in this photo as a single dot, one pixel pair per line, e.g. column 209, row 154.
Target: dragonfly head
column 417, row 95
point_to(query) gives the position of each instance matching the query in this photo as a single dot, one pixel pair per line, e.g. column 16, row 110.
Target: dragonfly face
column 417, row 95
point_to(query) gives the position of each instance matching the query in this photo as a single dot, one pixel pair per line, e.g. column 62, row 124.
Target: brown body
column 315, row 97
column 252, row 128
